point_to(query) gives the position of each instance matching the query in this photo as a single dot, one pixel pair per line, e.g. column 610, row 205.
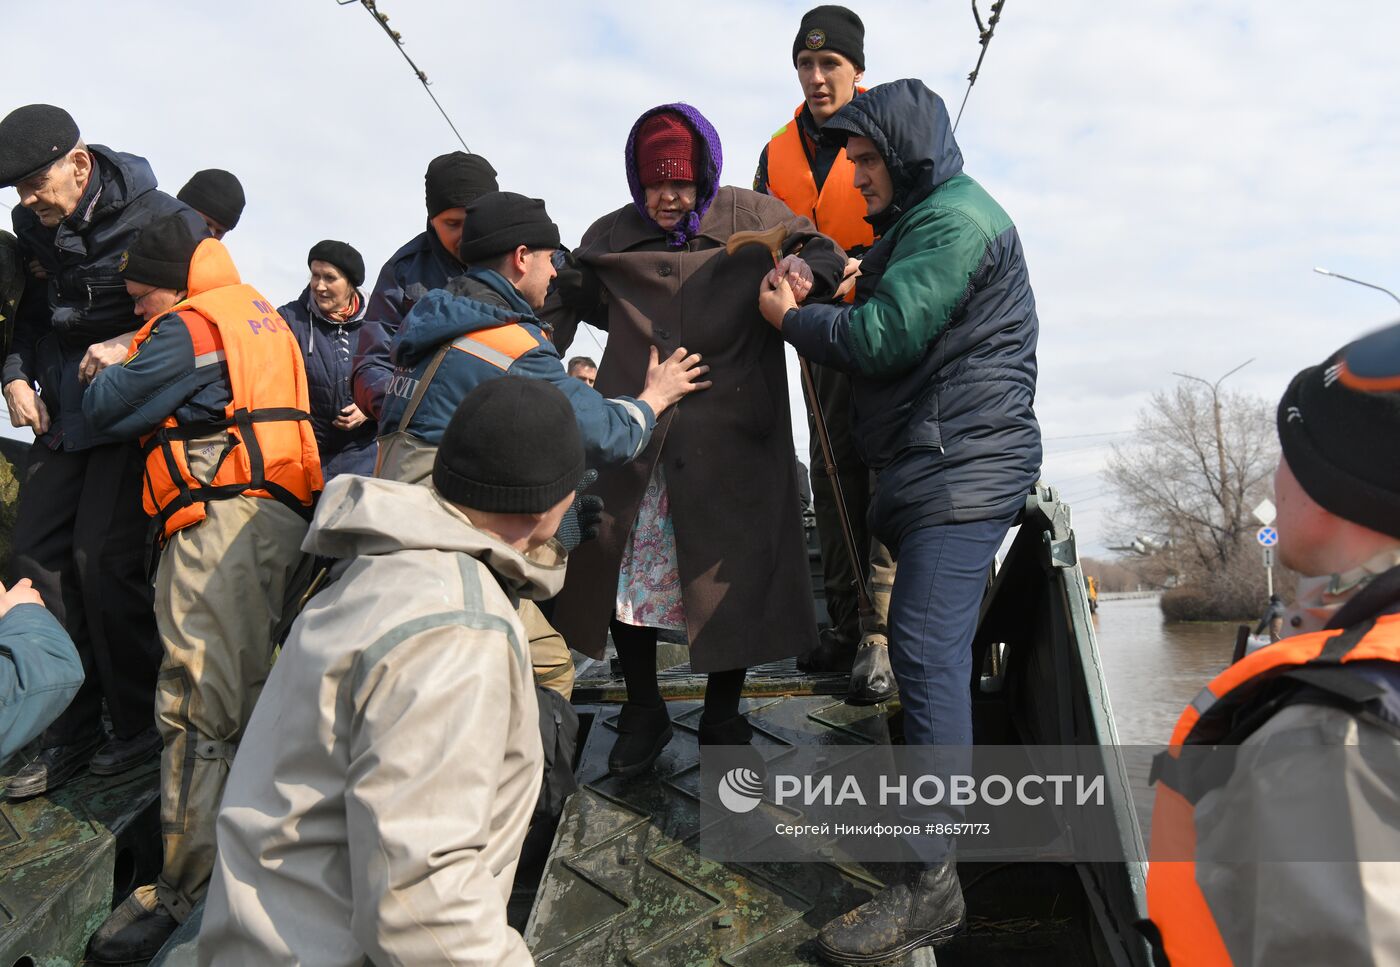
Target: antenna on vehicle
column 984, row 38
column 383, row 20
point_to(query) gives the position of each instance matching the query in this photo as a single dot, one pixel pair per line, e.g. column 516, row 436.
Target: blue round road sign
column 1268, row 536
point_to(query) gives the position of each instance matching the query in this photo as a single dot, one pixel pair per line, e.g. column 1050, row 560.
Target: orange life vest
column 1178, row 909
column 838, row 210
column 269, row 448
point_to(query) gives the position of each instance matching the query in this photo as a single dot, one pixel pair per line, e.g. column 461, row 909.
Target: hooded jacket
column 494, row 332
column 84, row 299
column 328, row 348
column 941, row 341
column 422, row 261
column 384, row 785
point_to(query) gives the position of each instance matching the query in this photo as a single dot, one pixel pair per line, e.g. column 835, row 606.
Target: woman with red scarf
column 326, row 320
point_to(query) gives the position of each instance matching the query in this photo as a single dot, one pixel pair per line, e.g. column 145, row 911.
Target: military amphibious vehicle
column 624, row 882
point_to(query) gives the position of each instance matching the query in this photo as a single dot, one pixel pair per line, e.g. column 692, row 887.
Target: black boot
column 731, row 731
column 119, row 755
column 134, row 932
column 51, row 768
column 872, row 678
column 642, row 732
column 923, row 907
column 832, row 654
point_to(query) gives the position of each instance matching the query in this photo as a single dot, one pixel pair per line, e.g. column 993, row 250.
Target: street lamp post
column 1219, row 434
column 1347, row 278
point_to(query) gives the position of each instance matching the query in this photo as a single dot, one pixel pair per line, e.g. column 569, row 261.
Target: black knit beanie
column 161, row 254
column 32, row 138
column 343, row 256
column 502, row 220
column 454, row 180
column 830, row 27
column 1338, row 423
column 512, row 447
column 216, row 193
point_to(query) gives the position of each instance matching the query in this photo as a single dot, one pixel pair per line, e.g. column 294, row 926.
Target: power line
column 383, row 21
column 985, row 39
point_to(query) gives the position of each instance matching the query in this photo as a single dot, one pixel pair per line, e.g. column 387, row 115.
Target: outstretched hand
column 669, row 382
column 21, row 592
column 775, row 298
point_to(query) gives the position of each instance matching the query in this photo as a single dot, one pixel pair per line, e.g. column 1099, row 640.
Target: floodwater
column 1154, row 668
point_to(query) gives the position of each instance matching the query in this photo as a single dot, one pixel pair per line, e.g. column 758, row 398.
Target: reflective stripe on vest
column 500, row 346
column 838, row 210
column 268, row 447
column 1175, row 902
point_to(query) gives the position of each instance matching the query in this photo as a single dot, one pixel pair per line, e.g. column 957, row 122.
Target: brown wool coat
column 726, row 452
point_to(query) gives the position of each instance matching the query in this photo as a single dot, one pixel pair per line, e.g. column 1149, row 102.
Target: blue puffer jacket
column 84, row 300
column 511, row 342
column 422, row 262
column 328, row 348
column 941, row 341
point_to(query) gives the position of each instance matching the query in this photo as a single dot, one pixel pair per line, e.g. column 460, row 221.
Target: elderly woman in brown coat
column 702, row 533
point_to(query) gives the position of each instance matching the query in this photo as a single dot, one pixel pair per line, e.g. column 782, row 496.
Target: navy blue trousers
column 938, row 587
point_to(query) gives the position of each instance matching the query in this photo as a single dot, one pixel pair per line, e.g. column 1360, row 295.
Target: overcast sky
column 1175, row 169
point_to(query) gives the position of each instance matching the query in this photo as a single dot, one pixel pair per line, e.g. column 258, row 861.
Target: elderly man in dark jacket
column 424, row 263
column 81, row 534
column 940, row 345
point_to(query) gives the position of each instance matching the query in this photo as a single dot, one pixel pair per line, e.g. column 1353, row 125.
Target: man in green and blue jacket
column 940, row 345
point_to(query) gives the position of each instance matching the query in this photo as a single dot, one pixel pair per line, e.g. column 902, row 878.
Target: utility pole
column 1225, row 509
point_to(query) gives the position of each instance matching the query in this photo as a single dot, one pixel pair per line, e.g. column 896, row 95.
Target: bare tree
column 1201, row 459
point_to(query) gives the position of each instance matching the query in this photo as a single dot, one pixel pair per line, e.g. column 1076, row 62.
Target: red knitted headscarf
column 665, row 150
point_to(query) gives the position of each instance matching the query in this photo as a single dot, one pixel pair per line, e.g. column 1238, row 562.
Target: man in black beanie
column 1333, row 681
column 424, row 263
column 816, row 179
column 398, row 841
column 80, row 533
column 218, row 198
column 483, row 326
column 231, row 499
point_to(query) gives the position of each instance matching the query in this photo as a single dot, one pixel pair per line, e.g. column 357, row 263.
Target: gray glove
column 581, row 520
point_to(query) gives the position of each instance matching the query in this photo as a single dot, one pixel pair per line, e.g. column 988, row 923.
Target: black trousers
column 81, row 536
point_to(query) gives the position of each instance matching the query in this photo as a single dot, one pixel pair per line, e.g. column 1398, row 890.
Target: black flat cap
column 343, row 256
column 32, row 138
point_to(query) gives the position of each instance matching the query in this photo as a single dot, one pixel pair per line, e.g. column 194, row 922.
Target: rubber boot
column 832, row 654
column 872, row 678
column 642, row 733
column 923, row 907
column 134, row 932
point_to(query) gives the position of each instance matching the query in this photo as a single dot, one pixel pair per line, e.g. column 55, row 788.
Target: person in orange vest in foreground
column 1335, row 684
column 215, row 388
column 816, row 179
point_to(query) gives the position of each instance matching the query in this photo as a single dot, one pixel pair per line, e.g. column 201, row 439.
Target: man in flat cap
column 81, row 535
column 218, row 198
column 425, row 262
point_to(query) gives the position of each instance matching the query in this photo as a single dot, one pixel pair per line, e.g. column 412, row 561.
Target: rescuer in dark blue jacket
column 425, row 263
column 81, row 534
column 326, row 319
column 484, row 326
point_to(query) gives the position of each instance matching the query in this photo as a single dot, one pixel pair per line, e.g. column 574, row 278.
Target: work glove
column 576, row 283
column 581, row 520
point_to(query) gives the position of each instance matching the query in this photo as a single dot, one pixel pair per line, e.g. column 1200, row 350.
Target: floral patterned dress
column 649, row 582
